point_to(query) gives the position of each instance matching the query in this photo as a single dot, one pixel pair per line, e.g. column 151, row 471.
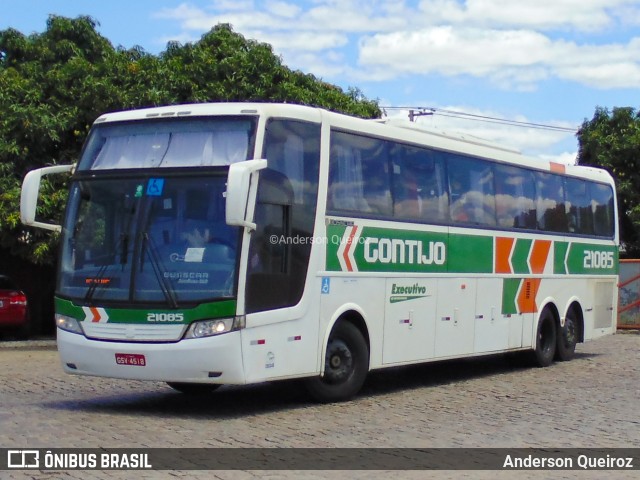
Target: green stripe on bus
column 470, row 254
column 559, row 254
column 510, row 287
column 204, row 311
column 520, row 256
column 585, row 258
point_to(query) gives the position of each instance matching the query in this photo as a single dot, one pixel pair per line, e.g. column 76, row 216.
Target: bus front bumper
column 216, row 359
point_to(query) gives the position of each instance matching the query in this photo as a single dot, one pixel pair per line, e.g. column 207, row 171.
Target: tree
column 611, row 140
column 54, row 84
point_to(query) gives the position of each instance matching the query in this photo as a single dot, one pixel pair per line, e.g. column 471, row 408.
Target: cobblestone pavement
column 591, row 401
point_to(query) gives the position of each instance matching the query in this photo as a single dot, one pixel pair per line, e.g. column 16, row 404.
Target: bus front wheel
column 545, row 340
column 346, row 365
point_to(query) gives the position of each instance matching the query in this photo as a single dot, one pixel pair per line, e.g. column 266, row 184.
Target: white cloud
column 451, row 51
column 283, row 9
column 511, row 58
column 232, row 5
column 302, row 41
column 584, row 15
column 516, row 45
column 567, row 158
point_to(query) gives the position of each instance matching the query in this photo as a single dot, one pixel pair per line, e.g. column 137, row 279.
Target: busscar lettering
column 188, row 277
column 413, row 252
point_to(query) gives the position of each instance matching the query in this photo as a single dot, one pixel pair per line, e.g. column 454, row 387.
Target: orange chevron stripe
column 527, row 295
column 96, row 314
column 504, row 246
column 539, row 255
column 348, row 247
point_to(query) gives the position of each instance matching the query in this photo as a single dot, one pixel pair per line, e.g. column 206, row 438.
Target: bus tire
column 545, row 340
column 346, row 365
column 567, row 338
column 194, row 388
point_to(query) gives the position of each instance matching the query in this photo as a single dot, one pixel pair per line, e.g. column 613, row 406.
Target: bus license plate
column 131, row 359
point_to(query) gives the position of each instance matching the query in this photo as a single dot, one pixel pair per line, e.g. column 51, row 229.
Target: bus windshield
column 148, row 239
column 165, row 143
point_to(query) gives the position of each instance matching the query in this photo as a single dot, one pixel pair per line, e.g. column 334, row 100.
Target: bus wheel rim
column 339, row 363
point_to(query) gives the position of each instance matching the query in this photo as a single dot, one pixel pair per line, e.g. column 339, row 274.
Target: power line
column 420, row 111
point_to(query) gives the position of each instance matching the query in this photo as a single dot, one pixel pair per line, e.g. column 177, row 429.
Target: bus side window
column 419, row 191
column 359, row 179
column 472, row 191
column 515, row 197
column 578, row 206
column 602, row 209
column 550, row 203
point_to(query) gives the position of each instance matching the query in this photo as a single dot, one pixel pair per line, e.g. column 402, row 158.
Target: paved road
column 591, row 401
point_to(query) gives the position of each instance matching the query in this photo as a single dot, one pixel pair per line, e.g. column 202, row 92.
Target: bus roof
column 383, row 128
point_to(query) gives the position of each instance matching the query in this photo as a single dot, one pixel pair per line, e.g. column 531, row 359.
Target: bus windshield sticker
column 155, row 187
column 194, row 255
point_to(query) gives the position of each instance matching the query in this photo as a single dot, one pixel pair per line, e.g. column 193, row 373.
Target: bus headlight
column 68, row 324
column 208, row 328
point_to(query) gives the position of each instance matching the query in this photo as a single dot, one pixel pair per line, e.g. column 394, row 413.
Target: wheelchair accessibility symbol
column 155, row 187
column 326, row 285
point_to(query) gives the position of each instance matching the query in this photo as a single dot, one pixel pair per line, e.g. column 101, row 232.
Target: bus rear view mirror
column 241, row 192
column 29, row 195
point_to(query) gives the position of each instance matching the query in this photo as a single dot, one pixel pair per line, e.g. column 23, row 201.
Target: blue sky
column 548, row 62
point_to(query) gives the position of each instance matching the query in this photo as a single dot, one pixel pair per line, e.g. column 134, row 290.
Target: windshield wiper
column 96, row 280
column 158, row 270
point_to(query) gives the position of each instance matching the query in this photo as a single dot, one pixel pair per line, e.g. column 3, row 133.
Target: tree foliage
column 611, row 140
column 54, row 84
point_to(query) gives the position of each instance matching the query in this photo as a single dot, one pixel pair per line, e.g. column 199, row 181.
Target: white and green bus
column 236, row 243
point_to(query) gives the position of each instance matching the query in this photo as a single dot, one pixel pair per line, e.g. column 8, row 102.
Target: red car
column 14, row 314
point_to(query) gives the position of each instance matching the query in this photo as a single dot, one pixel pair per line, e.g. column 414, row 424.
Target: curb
column 28, row 345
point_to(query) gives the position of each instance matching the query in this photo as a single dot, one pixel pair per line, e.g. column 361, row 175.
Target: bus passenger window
column 472, row 192
column 603, row 210
column 515, row 197
column 359, row 175
column 419, row 191
column 550, row 204
column 578, row 206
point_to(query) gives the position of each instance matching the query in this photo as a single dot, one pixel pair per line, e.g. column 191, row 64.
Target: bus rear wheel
column 545, row 340
column 567, row 338
column 346, row 365
column 194, row 388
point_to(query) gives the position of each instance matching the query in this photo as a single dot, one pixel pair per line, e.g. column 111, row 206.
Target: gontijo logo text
column 393, row 250
column 377, row 249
